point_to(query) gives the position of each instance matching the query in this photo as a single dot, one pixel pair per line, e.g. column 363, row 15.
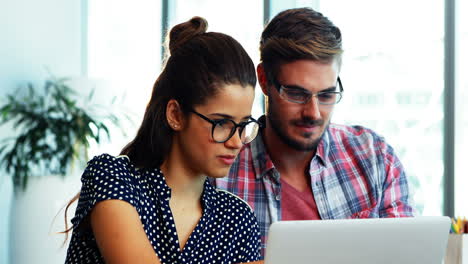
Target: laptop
column 364, row 241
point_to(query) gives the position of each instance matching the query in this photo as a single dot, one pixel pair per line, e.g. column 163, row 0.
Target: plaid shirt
column 354, row 174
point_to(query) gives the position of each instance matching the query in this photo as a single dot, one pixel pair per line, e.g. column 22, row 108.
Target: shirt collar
column 158, row 183
column 208, row 196
column 261, row 160
column 323, row 148
column 163, row 191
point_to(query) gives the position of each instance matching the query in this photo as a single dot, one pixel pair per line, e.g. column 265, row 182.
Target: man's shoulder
column 355, row 140
column 353, row 132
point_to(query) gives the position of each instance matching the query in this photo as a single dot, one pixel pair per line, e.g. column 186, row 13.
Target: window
column 124, row 58
column 384, row 55
column 242, row 19
column 461, row 113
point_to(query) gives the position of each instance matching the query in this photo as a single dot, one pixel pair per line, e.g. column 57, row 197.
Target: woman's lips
column 227, row 159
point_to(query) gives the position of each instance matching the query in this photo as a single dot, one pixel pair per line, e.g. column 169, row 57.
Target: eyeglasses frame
column 214, row 123
column 279, row 87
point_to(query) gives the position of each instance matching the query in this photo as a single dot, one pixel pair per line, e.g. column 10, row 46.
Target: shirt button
column 278, row 197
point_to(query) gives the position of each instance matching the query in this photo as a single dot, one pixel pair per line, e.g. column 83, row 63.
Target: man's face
column 301, row 126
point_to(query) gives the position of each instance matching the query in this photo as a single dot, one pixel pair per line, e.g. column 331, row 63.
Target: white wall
column 34, row 36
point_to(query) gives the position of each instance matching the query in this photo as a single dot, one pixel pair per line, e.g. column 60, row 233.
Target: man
column 301, row 166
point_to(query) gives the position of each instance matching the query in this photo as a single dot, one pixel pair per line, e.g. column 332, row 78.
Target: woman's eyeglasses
column 224, row 129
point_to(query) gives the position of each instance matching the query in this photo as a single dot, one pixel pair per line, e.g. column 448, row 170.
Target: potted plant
column 53, row 131
column 53, row 128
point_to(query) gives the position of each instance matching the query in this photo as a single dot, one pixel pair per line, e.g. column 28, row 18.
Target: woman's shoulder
column 107, row 167
column 107, row 177
column 233, row 202
column 109, row 160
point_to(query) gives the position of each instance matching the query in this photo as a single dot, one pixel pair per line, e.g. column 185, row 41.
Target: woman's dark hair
column 198, row 65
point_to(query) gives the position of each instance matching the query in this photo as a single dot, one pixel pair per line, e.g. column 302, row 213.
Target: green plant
column 52, row 130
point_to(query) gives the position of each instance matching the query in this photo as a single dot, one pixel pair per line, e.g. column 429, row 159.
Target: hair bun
column 183, row 32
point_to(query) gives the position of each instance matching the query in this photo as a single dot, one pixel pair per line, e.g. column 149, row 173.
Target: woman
column 154, row 204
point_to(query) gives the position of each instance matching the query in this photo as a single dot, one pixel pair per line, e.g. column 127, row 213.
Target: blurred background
column 402, row 73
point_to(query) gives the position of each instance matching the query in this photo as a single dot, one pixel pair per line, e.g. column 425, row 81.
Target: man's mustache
column 308, row 122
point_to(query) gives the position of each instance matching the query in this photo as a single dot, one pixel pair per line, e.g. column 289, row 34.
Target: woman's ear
column 174, row 115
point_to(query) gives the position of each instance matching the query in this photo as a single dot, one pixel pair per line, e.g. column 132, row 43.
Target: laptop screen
column 364, row 241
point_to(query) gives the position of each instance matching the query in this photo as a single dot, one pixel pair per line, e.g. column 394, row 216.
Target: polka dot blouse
column 226, row 233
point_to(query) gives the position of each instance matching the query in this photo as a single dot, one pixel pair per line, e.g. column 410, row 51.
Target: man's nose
column 312, row 108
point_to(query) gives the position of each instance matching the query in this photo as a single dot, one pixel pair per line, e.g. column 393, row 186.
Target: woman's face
column 202, row 154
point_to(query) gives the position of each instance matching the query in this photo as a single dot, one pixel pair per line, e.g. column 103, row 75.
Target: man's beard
column 280, row 130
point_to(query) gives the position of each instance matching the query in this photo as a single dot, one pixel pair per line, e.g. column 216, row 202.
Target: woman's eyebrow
column 229, row 116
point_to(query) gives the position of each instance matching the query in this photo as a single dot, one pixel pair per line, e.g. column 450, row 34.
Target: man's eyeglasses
column 301, row 96
column 224, row 129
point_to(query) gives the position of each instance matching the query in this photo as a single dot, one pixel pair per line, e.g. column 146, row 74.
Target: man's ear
column 174, row 115
column 262, row 79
